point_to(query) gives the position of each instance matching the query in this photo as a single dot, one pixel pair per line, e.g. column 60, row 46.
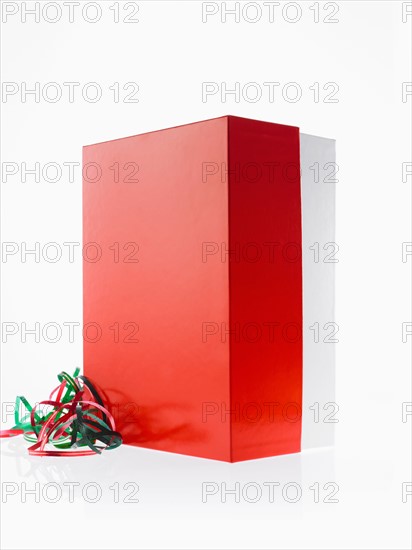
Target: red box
column 193, row 287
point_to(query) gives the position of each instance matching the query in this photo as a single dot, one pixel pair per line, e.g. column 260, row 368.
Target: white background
column 169, row 53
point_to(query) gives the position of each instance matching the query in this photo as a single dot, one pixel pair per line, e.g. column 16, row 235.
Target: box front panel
column 265, row 277
column 147, row 290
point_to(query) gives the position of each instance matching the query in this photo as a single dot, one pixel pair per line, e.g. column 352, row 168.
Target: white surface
column 321, row 332
column 170, row 52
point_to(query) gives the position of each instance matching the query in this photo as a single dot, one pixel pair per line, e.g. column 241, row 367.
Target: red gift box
column 193, row 287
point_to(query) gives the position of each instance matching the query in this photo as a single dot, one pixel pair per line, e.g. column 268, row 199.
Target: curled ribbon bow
column 76, row 417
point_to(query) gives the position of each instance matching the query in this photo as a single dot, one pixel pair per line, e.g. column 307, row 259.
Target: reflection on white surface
column 146, row 483
column 291, row 501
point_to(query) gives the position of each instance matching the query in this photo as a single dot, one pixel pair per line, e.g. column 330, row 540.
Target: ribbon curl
column 78, row 418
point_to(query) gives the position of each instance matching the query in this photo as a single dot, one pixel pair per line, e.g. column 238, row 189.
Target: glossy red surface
column 265, row 289
column 168, row 337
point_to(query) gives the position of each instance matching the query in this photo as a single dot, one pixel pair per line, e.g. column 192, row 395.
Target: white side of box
column 319, row 408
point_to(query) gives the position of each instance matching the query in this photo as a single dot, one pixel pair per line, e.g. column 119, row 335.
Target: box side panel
column 265, row 278
column 319, row 258
column 148, row 294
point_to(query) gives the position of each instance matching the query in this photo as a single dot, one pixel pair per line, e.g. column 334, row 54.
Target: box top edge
column 318, row 137
column 154, row 131
column 187, row 124
column 264, row 121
